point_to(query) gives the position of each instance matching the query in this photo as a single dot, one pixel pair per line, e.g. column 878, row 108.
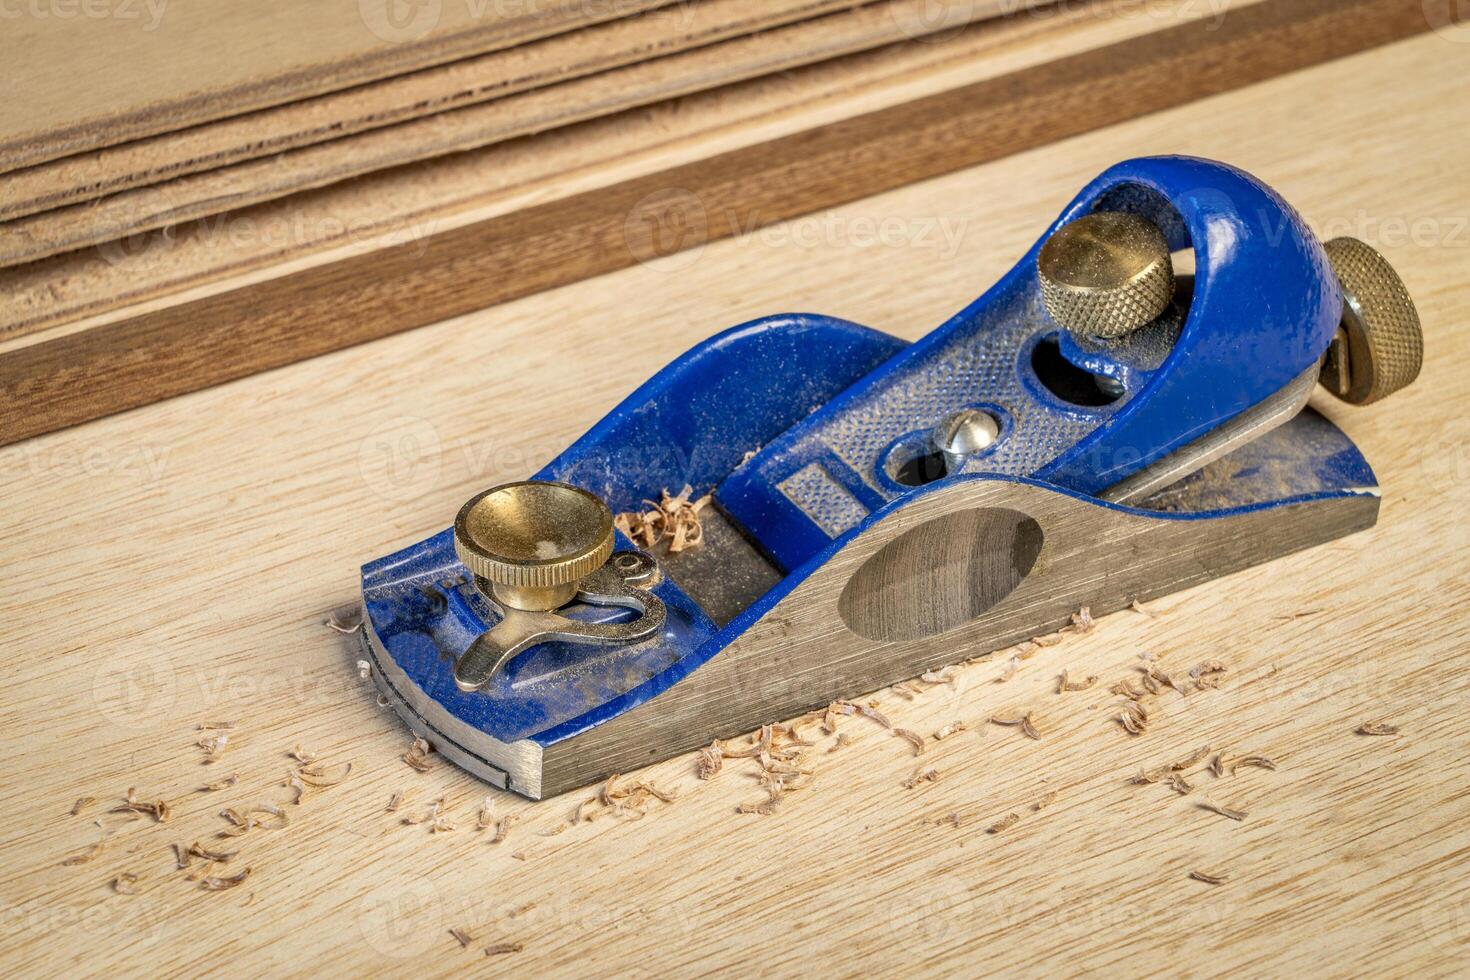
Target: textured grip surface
column 1106, row 274
column 1384, row 340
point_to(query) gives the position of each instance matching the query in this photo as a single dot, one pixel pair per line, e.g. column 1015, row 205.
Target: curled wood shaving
column 675, row 519
column 485, row 818
column 1137, row 607
column 930, row 775
column 1004, row 823
column 319, row 775
column 873, row 714
column 159, row 810
column 1065, row 683
column 1223, row 811
column 351, row 625
column 502, row 829
column 1217, row 764
column 304, row 756
column 1082, row 621
column 182, row 857
column 1179, row 784
column 432, row 814
column 1377, row 728
column 213, row 745
column 125, row 884
column 464, row 937
column 711, row 760
column 81, row 804
column 1252, row 762
column 762, row 809
column 1012, row 665
column 198, row 850
column 218, row 884
column 225, row 783
column 1127, row 690
column 417, row 755
column 499, row 949
column 913, row 738
column 1195, row 758
column 82, row 857
column 394, row 802
column 1046, row 800
column 842, row 739
column 953, row 728
column 1028, row 728
column 1150, row 776
column 1208, row 878
column 1133, row 717
column 945, row 676
column 297, row 787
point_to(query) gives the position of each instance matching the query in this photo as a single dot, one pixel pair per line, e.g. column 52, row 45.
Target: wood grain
column 407, row 203
column 173, row 565
column 217, row 190
column 473, row 80
column 85, row 375
column 84, row 76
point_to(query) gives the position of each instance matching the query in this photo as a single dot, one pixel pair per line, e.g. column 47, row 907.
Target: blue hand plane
column 1122, row 416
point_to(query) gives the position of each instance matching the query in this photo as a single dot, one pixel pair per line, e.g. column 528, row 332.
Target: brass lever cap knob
column 1106, row 274
column 533, row 541
column 1380, row 346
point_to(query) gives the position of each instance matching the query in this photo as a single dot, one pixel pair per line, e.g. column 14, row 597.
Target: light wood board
column 416, row 200
column 216, row 190
column 83, row 75
column 173, row 565
column 65, row 379
column 480, row 79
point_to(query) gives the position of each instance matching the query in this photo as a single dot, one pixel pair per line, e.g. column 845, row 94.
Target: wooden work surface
column 174, row 565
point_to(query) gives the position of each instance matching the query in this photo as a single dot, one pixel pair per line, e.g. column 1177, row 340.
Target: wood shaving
column 873, row 714
column 1377, row 728
column 558, row 829
column 352, row 625
column 1127, row 690
column 417, row 755
column 673, row 519
column 1007, row 719
column 913, row 738
column 841, row 740
column 1065, row 683
column 502, row 829
column 81, row 804
column 1049, row 640
column 930, row 775
column 464, row 937
column 1179, row 784
column 1207, row 675
column 1137, row 607
column 1028, row 728
column 1223, row 811
column 1082, row 621
column 215, row 726
column 499, row 949
column 1046, row 800
column 296, row 786
column 1209, row 879
column 1146, row 776
column 364, row 669
column 1252, row 762
column 198, row 850
column 1012, row 665
column 711, row 760
column 304, row 756
column 485, row 818
column 213, row 745
column 217, row 884
column 1217, row 764
column 319, row 775
column 762, row 809
column 82, row 857
column 953, row 728
column 1133, row 717
column 394, row 802
column 1004, row 823
column 159, row 810
column 945, row 676
column 125, row 884
column 218, row 785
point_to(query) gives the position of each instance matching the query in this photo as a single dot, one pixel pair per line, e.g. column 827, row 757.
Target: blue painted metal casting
column 801, row 426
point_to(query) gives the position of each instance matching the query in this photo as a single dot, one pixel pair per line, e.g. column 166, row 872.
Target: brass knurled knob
column 1380, row 345
column 533, row 541
column 1106, row 274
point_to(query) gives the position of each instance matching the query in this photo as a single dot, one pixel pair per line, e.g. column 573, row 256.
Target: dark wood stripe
column 134, row 362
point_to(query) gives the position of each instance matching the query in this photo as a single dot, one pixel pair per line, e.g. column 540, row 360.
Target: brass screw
column 533, row 541
column 1106, row 274
column 1379, row 347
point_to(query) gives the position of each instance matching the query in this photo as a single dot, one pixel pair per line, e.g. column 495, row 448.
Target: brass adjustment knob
column 533, row 541
column 1106, row 274
column 1380, row 346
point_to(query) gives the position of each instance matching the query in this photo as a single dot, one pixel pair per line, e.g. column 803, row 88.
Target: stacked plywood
column 216, row 189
